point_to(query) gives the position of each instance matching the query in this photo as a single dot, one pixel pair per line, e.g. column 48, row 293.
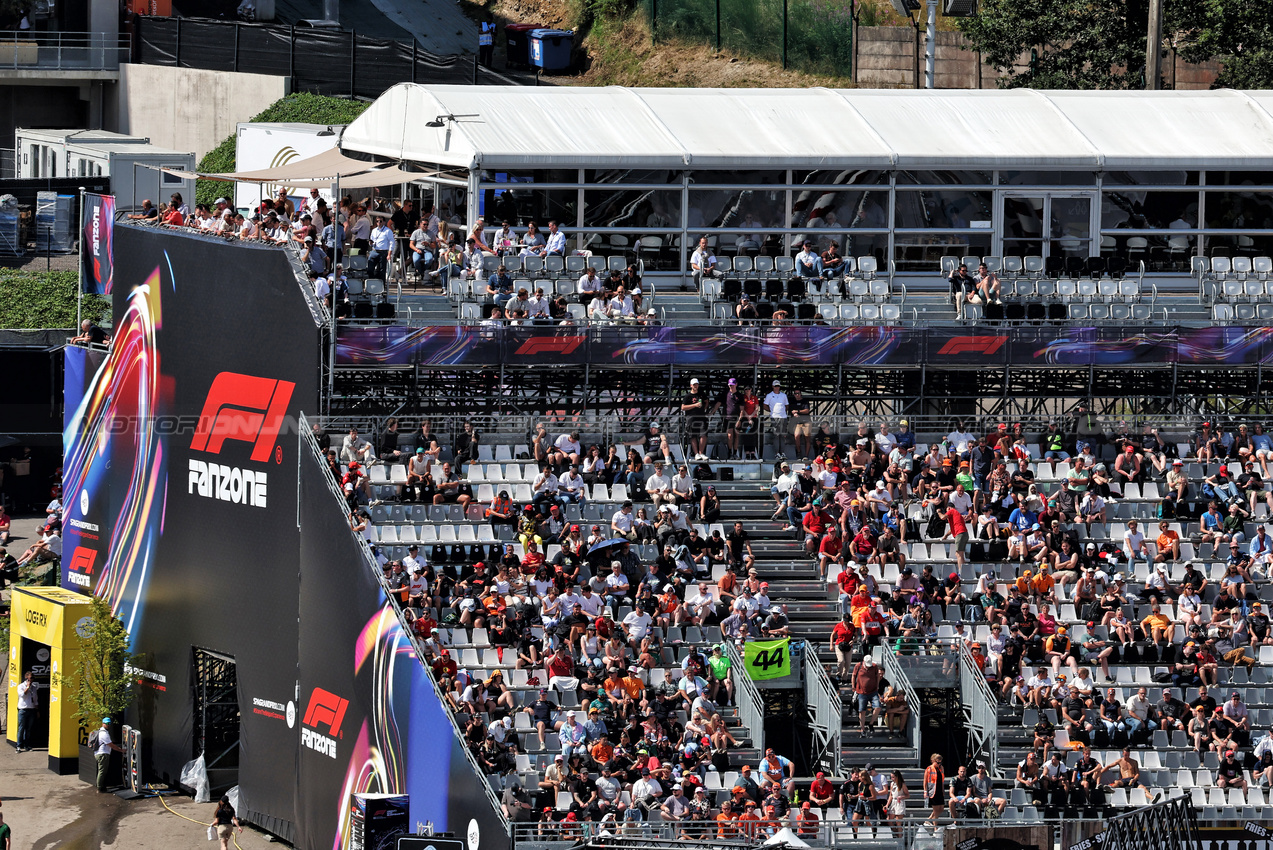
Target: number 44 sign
column 767, row 659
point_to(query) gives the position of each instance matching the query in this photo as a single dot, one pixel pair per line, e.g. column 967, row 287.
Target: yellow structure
column 43, row 639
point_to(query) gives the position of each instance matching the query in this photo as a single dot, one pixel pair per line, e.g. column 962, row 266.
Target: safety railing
column 826, row 713
column 981, row 710
column 62, row 51
column 370, row 563
column 751, row 708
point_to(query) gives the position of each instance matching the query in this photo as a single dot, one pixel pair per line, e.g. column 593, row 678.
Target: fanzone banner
column 804, row 345
column 767, row 659
column 97, row 229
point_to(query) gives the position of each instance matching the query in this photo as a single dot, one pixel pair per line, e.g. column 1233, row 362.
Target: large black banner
column 370, row 718
column 180, row 464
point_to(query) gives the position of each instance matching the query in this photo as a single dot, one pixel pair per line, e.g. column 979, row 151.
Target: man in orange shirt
column 726, row 821
column 749, row 821
column 1157, row 627
column 1168, row 543
column 602, row 752
column 1043, row 584
column 807, row 821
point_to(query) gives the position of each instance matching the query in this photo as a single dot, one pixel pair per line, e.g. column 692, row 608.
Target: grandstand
column 1120, row 329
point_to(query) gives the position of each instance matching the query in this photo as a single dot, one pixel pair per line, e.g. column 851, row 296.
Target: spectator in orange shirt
column 602, row 752
column 749, row 822
column 1157, row 627
column 1044, row 583
column 726, row 821
column 1168, row 543
column 807, row 821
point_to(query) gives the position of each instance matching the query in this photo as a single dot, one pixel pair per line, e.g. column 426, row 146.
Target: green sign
column 767, row 659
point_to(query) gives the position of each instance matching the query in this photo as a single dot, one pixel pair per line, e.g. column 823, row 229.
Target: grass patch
column 31, row 300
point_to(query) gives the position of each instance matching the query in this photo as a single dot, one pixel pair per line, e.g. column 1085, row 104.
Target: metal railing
column 62, row 51
column 751, row 708
column 370, row 563
column 981, row 711
column 826, row 713
column 896, row 674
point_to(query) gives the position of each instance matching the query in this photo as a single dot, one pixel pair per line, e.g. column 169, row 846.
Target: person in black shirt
column 1224, row 601
column 1074, row 708
column 1258, row 624
column 740, row 554
column 929, row 582
column 1229, row 773
column 1207, row 703
column 1085, row 780
column 91, row 334
column 1173, row 713
column 1022, row 478
column 960, row 793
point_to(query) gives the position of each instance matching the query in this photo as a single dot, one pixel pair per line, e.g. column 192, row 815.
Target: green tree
column 100, row 685
column 1238, row 33
column 1061, row 44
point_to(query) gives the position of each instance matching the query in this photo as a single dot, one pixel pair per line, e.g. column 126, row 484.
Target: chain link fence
column 815, row 36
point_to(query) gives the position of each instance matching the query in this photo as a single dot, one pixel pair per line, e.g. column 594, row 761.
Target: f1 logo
column 550, row 345
column 244, row 408
column 965, row 344
column 82, row 560
column 327, row 708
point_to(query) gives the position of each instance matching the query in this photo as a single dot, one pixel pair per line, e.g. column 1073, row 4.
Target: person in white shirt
column 780, row 488
column 573, row 486
column 556, row 243
column 637, row 624
column 590, row 286
column 776, row 403
column 28, row 701
column 621, row 307
column 599, row 310
column 658, row 486
column 879, row 500
column 702, row 603
column 682, row 487
column 622, row 522
column 355, row 448
column 703, row 262
column 1134, row 544
column 382, row 243
column 808, row 261
column 538, row 304
column 959, row 439
column 884, row 440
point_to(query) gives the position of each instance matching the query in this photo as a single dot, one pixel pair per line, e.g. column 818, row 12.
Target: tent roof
column 513, row 126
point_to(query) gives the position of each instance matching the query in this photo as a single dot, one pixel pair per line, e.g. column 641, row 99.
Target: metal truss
column 636, row 393
column 216, row 717
column 1169, row 824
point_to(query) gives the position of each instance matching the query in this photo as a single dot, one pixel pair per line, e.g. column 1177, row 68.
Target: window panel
column 830, row 208
column 1047, row 178
column 632, row 208
column 1137, row 210
column 1240, row 178
column 1151, row 178
column 524, row 203
column 839, row 177
column 948, row 178
column 631, row 175
column 538, row 175
column 761, row 209
column 942, row 208
column 1240, row 210
column 739, row 178
column 920, row 252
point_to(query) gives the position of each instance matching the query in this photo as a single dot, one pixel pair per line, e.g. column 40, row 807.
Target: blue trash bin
column 550, row 49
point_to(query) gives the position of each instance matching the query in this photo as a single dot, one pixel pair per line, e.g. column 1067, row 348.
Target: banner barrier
column 97, row 230
column 767, row 659
column 805, row 345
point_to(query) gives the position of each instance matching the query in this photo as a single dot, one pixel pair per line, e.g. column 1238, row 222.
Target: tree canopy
column 1100, row 44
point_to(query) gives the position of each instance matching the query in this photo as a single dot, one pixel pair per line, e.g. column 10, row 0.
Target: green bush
column 299, row 108
column 37, row 299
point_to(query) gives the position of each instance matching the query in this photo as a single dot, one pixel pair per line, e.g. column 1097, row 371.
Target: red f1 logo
column 325, row 707
column 550, row 345
column 82, row 560
column 964, row 344
column 244, row 408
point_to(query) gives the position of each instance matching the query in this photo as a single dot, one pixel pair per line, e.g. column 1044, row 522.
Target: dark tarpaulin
column 323, row 61
column 265, row 50
column 157, row 41
column 379, row 64
column 207, row 44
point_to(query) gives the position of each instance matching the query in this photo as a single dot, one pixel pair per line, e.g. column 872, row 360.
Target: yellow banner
column 767, row 659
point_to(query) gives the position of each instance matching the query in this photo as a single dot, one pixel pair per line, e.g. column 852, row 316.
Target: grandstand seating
column 1167, row 763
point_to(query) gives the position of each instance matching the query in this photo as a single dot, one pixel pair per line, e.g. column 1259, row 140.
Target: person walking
column 102, row 744
column 28, row 699
column 224, row 821
column 935, row 787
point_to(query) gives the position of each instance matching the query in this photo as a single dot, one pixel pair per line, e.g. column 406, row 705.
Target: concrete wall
column 186, row 109
column 886, row 59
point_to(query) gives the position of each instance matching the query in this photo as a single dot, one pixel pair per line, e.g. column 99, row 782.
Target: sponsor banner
column 804, row 345
column 97, row 229
column 767, row 659
column 176, row 510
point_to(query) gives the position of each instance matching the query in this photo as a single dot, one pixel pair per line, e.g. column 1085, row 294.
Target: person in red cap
column 821, row 791
column 1128, row 466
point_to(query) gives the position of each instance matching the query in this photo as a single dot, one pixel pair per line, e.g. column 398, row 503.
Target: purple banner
column 97, row 229
column 804, row 345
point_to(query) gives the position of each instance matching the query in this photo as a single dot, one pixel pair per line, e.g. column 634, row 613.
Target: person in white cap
column 776, row 404
column 653, row 444
column 694, row 406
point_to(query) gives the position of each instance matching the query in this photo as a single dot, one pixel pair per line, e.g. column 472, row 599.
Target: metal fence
column 815, row 36
column 751, row 708
column 826, row 713
column 324, row 61
column 981, row 711
column 61, row 51
column 895, row 672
